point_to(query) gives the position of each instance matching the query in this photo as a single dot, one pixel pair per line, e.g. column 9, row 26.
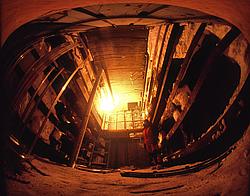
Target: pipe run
column 50, row 110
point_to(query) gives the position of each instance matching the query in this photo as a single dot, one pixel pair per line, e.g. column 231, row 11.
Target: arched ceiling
column 16, row 13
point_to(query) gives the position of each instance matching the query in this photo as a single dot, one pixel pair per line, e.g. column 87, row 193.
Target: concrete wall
column 16, row 13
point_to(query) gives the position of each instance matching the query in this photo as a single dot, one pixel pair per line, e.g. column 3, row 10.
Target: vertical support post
column 116, row 119
column 211, row 58
column 85, row 120
column 132, row 116
column 125, row 127
column 109, row 83
column 184, row 67
column 103, row 121
column 162, row 91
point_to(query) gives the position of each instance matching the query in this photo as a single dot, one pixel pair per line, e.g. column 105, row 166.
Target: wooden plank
column 161, row 93
column 207, row 138
column 191, row 50
column 221, row 47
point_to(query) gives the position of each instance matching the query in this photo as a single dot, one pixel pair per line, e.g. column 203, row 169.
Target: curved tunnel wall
column 244, row 67
column 221, row 66
column 243, row 145
column 16, row 13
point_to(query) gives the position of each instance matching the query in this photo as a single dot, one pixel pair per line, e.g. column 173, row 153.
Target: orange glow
column 122, row 95
column 107, row 104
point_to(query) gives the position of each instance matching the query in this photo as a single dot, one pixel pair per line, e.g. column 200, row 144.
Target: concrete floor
column 229, row 179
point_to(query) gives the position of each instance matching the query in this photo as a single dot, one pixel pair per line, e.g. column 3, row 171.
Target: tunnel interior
column 78, row 84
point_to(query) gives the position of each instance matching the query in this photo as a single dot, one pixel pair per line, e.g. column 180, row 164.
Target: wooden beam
column 108, row 81
column 161, row 90
column 108, row 19
column 219, row 49
column 147, row 85
column 159, row 59
column 145, row 13
column 85, row 11
column 191, row 50
column 203, row 19
column 78, row 143
column 98, row 16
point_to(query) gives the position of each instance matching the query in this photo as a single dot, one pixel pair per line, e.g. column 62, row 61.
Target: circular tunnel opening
column 183, row 70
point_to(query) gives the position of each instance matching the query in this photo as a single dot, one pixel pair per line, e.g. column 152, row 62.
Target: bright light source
column 107, row 104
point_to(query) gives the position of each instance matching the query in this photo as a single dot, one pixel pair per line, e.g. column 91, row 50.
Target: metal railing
column 123, row 120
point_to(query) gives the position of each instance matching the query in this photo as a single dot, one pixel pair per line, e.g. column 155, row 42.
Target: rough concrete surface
column 229, row 179
column 16, row 13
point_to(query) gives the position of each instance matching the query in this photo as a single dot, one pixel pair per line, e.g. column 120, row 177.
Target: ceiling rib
column 145, row 13
column 98, row 16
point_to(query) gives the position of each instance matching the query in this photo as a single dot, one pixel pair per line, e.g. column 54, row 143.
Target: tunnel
column 105, row 98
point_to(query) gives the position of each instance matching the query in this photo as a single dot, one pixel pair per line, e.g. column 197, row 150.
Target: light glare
column 107, row 104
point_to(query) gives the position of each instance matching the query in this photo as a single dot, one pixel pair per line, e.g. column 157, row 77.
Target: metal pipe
column 41, row 96
column 38, row 66
column 145, row 81
column 50, row 110
column 116, row 118
column 13, row 67
column 37, row 90
column 109, row 83
column 25, row 118
column 85, row 120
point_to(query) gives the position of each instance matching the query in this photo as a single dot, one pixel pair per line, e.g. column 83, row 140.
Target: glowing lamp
column 107, row 104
